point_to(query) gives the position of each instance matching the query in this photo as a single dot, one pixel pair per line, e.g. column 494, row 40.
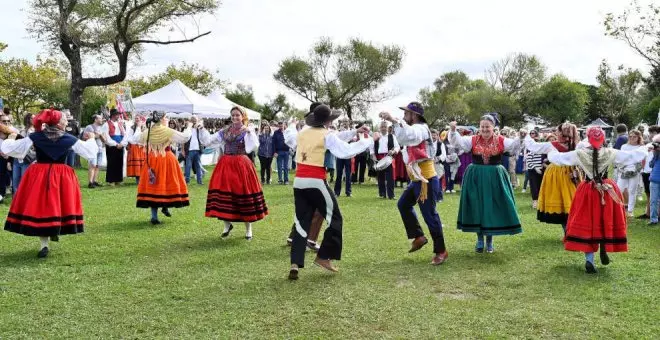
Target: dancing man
column 413, row 133
column 310, row 189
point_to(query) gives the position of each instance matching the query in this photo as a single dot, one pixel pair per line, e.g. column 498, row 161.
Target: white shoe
column 524, row 191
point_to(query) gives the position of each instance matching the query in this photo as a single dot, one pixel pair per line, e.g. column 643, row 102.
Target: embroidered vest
column 311, row 146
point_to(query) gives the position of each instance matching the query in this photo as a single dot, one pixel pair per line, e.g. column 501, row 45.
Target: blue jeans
column 18, row 169
column 283, row 166
column 449, row 183
column 193, row 159
column 655, row 200
column 343, row 168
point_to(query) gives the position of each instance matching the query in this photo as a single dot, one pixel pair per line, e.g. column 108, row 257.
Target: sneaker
column 313, row 246
column 524, row 191
column 489, row 248
column 630, row 214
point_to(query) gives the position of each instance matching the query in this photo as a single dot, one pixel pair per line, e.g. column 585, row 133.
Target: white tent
column 218, row 98
column 177, row 97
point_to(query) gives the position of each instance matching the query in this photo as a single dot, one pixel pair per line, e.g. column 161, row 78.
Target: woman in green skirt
column 487, row 206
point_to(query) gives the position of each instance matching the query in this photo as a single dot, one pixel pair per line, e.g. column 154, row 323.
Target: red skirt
column 400, row 172
column 590, row 223
column 169, row 190
column 135, row 160
column 47, row 203
column 235, row 193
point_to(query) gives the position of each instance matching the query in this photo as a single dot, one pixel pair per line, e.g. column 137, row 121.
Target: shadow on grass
column 132, row 225
column 21, row 258
column 575, row 272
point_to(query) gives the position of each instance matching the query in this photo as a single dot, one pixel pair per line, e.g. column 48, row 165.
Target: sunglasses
column 5, row 121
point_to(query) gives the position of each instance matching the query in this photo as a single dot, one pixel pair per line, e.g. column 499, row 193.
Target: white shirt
column 19, row 148
column 204, row 136
column 335, row 142
column 382, row 145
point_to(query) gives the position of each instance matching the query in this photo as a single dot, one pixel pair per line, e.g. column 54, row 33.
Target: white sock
column 44, row 241
column 227, row 225
column 248, row 229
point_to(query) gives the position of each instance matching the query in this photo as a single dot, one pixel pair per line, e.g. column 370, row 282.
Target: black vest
column 390, row 143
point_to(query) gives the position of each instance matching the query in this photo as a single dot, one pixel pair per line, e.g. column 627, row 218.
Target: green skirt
column 487, row 202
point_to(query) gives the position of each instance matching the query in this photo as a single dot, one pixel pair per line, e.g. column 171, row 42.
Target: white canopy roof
column 217, row 97
column 177, row 97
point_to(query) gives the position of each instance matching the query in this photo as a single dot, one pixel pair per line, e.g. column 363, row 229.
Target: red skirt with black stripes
column 47, row 203
column 591, row 223
column 235, row 193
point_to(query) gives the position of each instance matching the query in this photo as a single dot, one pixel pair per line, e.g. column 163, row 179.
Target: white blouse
column 251, row 140
column 177, row 137
column 546, row 147
column 620, row 157
column 465, row 142
column 335, row 142
column 19, row 148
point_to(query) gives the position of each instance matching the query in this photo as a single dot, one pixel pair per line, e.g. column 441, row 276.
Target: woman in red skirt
column 136, row 154
column 162, row 185
column 48, row 202
column 597, row 218
column 235, row 193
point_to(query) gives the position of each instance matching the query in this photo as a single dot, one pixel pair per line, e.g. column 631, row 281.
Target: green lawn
column 124, row 278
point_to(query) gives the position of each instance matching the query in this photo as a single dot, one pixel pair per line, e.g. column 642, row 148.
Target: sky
column 250, row 37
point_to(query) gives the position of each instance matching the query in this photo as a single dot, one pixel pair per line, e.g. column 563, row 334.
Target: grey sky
column 250, row 38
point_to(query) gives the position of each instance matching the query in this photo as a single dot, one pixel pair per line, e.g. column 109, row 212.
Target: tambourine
column 383, row 163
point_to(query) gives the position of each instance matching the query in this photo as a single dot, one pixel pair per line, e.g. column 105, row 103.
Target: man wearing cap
column 386, row 145
column 425, row 187
column 115, row 142
column 310, row 190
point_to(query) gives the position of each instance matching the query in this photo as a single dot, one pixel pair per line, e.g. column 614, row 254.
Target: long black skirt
column 115, row 170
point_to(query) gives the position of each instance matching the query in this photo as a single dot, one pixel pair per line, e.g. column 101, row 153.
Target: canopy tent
column 599, row 122
column 178, row 115
column 217, row 97
column 177, row 97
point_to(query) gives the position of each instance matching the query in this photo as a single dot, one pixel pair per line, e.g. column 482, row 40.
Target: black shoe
column 590, row 268
column 166, row 212
column 348, row 195
column 604, row 259
column 652, row 224
column 155, row 221
column 225, row 234
column 642, row 217
column 249, row 238
column 293, row 274
column 91, row 186
column 96, row 184
column 43, row 252
column 55, row 238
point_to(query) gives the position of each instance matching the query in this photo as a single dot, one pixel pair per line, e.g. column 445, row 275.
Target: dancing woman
column 162, row 185
column 559, row 182
column 597, row 218
column 48, row 201
column 235, row 193
column 487, row 205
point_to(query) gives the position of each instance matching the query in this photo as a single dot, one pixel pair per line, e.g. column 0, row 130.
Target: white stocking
column 44, row 241
column 248, row 229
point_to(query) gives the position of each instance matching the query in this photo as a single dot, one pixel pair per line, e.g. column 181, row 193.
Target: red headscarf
column 48, row 116
column 596, row 137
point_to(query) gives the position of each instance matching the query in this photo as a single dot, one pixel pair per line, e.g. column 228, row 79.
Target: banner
column 119, row 97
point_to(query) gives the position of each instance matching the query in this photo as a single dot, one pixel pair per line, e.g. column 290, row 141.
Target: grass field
column 124, row 278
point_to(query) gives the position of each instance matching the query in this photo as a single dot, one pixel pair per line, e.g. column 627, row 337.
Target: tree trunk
column 77, row 85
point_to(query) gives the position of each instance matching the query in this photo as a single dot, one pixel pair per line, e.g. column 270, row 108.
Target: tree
column 516, row 76
column 24, row 86
column 639, row 27
column 561, row 100
column 113, row 30
column 618, row 92
column 346, row 77
column 444, row 101
column 196, row 77
column 486, row 99
column 243, row 95
column 2, row 46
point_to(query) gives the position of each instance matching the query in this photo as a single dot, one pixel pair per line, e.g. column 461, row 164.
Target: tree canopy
column 346, row 77
column 112, row 30
column 196, row 77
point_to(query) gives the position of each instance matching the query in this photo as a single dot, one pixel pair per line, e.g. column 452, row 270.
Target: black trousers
column 266, row 168
column 360, row 168
column 385, row 182
column 310, row 195
column 406, row 204
column 5, row 176
column 535, row 180
column 115, row 170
